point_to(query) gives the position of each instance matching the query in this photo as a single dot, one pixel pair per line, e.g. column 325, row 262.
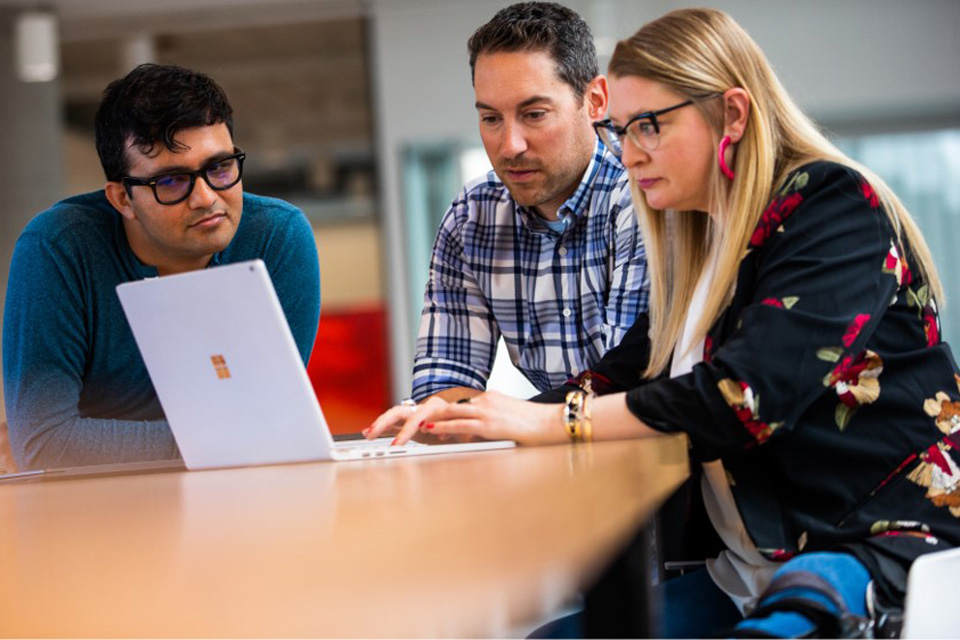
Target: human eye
column 489, row 119
column 644, row 127
column 222, row 167
column 172, row 180
column 535, row 115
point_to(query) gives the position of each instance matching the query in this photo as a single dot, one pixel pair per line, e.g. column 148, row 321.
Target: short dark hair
column 541, row 26
column 149, row 106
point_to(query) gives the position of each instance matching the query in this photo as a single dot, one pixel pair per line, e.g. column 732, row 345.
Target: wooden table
column 460, row 545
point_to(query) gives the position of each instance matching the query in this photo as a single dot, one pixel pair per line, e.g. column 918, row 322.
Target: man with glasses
column 544, row 250
column 77, row 391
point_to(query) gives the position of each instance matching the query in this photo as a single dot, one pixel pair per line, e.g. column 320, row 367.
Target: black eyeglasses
column 175, row 187
column 643, row 129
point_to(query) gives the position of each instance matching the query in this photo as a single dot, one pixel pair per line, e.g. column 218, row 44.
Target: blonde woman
column 793, row 335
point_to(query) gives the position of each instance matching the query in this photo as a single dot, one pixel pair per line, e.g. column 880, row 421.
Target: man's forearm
column 88, row 441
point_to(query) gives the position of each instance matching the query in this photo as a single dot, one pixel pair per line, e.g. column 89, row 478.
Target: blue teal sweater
column 76, row 389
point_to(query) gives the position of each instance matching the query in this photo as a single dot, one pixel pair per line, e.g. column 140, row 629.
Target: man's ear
column 595, row 98
column 117, row 196
column 736, row 113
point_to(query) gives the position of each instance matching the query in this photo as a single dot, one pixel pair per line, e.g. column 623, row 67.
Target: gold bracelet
column 588, row 418
column 573, row 414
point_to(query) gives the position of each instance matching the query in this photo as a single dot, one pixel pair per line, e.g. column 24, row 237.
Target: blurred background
column 361, row 113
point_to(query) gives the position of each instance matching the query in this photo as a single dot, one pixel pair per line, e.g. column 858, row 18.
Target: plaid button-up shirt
column 559, row 299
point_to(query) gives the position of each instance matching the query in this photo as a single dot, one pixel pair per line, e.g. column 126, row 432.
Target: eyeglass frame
column 624, row 133
column 238, row 154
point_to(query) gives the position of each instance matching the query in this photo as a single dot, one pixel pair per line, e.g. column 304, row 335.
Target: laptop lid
column 931, row 610
column 226, row 368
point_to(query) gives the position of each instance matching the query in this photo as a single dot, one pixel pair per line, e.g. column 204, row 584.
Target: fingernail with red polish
column 394, row 442
column 430, row 426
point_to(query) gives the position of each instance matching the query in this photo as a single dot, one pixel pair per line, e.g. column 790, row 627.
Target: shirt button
column 562, row 251
column 566, row 312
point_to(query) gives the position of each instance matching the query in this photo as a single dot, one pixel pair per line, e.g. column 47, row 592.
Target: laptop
column 930, row 609
column 229, row 376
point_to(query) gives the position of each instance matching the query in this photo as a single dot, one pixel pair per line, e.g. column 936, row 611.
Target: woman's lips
column 646, row 183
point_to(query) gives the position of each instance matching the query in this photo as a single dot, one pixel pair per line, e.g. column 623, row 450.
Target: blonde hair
column 697, row 53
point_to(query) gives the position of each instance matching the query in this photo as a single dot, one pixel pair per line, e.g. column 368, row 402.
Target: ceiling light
column 37, row 46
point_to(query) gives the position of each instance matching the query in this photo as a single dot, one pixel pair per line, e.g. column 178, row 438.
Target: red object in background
column 350, row 368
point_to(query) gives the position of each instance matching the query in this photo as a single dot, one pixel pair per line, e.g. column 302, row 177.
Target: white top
column 739, row 571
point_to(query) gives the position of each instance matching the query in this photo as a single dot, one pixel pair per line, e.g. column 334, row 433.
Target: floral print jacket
column 825, row 387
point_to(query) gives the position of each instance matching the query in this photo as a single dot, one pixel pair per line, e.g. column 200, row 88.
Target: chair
column 7, row 464
column 931, row 610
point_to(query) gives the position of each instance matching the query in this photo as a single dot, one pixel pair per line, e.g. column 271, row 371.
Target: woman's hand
column 491, row 416
column 392, row 421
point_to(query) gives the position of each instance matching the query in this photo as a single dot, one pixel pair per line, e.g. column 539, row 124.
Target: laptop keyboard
column 379, row 447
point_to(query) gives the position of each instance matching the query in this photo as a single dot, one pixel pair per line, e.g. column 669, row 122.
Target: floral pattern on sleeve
column 854, row 329
column 745, row 405
column 938, row 471
column 784, row 202
column 856, row 379
column 786, row 302
column 931, row 322
column 870, row 194
column 897, row 267
column 921, row 297
column 927, row 311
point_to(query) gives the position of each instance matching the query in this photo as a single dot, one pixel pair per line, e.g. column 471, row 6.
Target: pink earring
column 723, row 163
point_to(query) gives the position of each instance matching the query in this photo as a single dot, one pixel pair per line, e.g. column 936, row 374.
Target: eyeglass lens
column 642, row 132
column 610, row 140
column 645, row 133
column 221, row 175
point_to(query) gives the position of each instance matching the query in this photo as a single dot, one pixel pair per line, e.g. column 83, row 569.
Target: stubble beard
column 558, row 180
column 551, row 184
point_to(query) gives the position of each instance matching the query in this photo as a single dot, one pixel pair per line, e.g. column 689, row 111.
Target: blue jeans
column 848, row 577
column 692, row 606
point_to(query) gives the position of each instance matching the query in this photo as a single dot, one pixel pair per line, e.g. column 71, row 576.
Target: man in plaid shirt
column 545, row 249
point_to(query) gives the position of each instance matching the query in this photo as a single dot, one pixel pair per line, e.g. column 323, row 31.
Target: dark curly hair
column 541, row 26
column 149, row 106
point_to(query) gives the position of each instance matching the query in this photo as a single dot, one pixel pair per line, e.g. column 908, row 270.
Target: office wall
column 351, row 267
column 877, row 63
column 31, row 140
